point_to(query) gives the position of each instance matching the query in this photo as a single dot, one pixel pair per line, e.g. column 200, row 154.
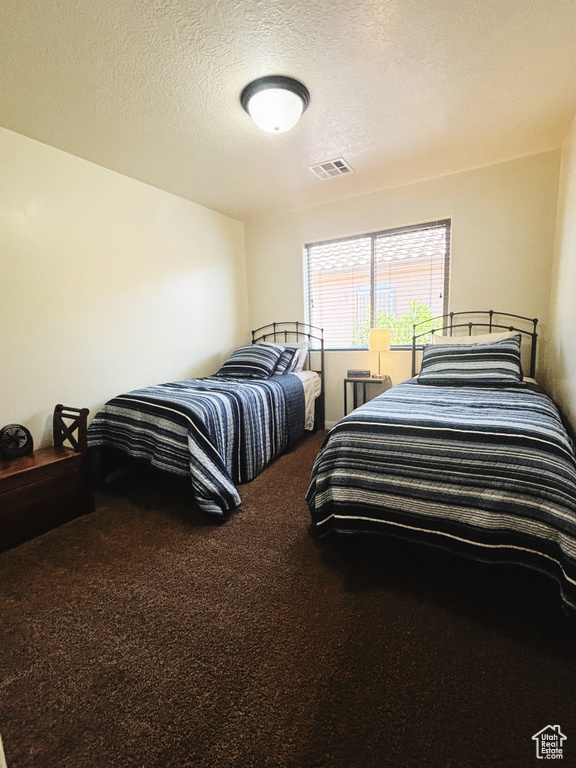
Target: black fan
column 15, row 440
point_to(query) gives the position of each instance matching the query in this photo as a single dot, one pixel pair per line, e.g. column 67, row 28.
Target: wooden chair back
column 71, row 424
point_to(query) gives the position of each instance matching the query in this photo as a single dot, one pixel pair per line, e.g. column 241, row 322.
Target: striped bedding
column 487, row 472
column 496, row 362
column 219, row 432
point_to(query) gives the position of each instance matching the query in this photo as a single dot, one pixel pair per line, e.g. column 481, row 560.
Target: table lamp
column 379, row 342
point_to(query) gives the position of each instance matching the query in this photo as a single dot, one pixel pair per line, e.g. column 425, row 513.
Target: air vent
column 331, row 168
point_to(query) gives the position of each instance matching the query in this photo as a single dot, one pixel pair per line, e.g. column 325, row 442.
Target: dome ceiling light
column 275, row 102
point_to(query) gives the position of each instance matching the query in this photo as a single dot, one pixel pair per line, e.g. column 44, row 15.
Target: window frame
column 446, row 223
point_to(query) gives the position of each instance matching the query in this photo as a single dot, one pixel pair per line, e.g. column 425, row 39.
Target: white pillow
column 484, row 338
column 304, row 347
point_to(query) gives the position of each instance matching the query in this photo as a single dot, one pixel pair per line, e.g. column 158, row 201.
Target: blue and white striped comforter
column 488, row 472
column 217, row 431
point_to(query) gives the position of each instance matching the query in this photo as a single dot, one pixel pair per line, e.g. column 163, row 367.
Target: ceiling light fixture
column 275, row 102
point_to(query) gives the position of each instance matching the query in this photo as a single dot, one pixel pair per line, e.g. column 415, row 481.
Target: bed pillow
column 287, row 361
column 497, row 363
column 303, row 348
column 481, row 338
column 255, row 361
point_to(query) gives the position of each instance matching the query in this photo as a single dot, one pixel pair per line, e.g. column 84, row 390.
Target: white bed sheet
column 312, row 387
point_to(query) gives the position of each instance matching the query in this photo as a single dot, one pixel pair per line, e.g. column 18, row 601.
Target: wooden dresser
column 45, row 489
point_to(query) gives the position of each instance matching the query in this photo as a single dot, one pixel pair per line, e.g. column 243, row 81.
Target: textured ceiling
column 402, row 89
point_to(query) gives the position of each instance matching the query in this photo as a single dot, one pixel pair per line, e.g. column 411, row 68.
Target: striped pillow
column 286, row 361
column 255, row 361
column 497, row 363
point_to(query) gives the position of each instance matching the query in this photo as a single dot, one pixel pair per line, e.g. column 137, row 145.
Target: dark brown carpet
column 141, row 636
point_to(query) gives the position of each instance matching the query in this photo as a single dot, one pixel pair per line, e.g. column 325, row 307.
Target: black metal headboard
column 490, row 320
column 294, row 330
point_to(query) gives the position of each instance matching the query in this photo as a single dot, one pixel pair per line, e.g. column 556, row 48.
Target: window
column 385, row 300
column 390, row 279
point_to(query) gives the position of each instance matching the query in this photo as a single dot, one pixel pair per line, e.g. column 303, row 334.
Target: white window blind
column 389, row 279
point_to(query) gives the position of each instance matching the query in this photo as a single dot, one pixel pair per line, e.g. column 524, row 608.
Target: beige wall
column 562, row 346
column 106, row 285
column 503, row 219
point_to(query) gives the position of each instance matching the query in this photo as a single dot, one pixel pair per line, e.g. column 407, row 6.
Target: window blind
column 388, row 279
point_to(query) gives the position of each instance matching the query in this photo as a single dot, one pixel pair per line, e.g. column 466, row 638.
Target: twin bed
column 221, row 430
column 468, row 455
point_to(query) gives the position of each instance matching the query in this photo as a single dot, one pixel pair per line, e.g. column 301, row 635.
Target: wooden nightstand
column 383, row 382
column 47, row 488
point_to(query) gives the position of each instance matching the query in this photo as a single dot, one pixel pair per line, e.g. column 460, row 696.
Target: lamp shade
column 275, row 103
column 379, row 340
